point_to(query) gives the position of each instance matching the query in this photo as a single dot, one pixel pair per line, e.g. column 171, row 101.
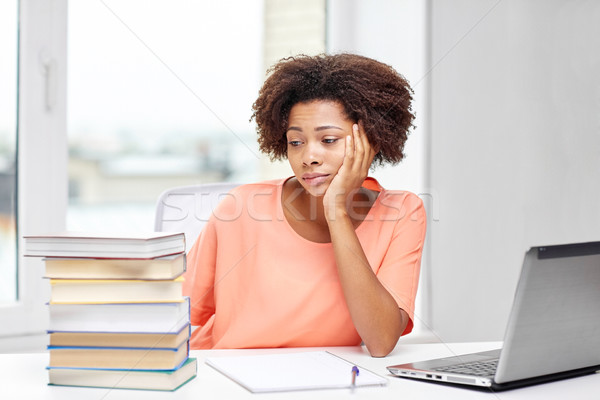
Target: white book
column 133, row 318
column 102, row 245
column 281, row 372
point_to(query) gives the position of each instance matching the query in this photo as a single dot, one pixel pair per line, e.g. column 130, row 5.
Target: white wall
column 515, row 148
column 393, row 32
column 507, row 143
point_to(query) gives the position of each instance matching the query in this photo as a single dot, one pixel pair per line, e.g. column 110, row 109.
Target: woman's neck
column 305, row 212
column 300, row 204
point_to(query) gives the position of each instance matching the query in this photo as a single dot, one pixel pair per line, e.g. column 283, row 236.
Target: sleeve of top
column 399, row 272
column 200, row 275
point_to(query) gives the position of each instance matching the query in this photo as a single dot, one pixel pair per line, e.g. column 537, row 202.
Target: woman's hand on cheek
column 354, row 169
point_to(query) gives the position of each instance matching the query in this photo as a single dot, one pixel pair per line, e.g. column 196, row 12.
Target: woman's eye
column 294, row 143
column 330, row 140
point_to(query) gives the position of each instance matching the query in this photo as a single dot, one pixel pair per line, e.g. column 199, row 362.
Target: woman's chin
column 316, row 190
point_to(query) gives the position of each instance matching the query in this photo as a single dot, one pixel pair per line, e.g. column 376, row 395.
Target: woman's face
column 316, row 136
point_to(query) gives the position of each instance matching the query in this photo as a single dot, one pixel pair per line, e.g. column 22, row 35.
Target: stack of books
column 117, row 315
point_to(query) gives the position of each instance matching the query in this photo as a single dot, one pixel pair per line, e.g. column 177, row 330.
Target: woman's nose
column 312, row 155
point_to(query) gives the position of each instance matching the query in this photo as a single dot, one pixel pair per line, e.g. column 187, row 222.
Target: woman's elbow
column 381, row 349
column 387, row 340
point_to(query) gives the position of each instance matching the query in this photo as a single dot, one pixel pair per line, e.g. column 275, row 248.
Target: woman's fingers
column 365, row 152
column 357, row 158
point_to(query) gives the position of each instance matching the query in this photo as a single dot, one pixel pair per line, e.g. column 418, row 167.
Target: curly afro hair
column 369, row 91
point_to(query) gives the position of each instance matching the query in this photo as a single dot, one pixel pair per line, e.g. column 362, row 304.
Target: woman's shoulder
column 250, row 198
column 398, row 203
column 258, row 187
column 400, row 197
column 393, row 196
column 252, row 192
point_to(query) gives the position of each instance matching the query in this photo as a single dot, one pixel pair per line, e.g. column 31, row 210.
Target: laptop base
column 499, row 387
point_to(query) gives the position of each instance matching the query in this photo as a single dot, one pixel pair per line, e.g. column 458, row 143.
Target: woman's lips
column 314, row 179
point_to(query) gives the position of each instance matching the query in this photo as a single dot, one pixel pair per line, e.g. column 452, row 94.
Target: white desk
column 23, row 376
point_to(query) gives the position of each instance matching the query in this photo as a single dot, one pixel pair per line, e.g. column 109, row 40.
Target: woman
column 326, row 257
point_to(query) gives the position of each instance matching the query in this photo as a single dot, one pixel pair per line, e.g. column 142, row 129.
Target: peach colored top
column 254, row 282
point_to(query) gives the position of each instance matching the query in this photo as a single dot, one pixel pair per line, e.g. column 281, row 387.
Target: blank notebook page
column 292, row 371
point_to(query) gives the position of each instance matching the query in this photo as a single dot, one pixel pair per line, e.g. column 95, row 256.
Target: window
column 157, row 99
column 39, row 113
column 8, row 150
column 163, row 98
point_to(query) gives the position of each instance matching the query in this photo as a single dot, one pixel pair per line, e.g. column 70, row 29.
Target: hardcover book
column 120, row 339
column 124, row 378
column 159, row 318
column 168, row 267
column 118, row 358
column 99, row 245
column 114, row 291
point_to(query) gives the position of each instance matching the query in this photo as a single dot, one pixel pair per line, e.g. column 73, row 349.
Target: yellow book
column 64, row 291
column 118, row 358
column 169, row 267
column 120, row 339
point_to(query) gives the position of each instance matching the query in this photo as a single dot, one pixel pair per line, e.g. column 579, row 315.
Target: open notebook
column 281, row 372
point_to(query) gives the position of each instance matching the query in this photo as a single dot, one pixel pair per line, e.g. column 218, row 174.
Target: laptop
column 553, row 330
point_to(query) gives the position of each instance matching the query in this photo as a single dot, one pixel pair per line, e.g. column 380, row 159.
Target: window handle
column 48, row 69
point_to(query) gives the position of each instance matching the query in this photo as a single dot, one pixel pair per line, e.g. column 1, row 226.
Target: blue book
column 125, row 378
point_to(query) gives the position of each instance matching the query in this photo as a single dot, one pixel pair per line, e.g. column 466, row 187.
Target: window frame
column 41, row 154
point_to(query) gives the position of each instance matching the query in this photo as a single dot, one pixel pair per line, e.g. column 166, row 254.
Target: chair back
column 187, row 208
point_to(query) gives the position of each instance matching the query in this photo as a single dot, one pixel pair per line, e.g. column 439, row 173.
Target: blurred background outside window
column 160, row 95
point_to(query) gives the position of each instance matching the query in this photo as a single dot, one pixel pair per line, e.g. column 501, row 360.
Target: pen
column 355, row 373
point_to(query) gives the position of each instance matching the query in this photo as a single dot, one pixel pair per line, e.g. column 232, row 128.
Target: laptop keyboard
column 476, row 368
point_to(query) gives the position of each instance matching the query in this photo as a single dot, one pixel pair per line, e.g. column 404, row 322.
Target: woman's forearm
column 376, row 315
